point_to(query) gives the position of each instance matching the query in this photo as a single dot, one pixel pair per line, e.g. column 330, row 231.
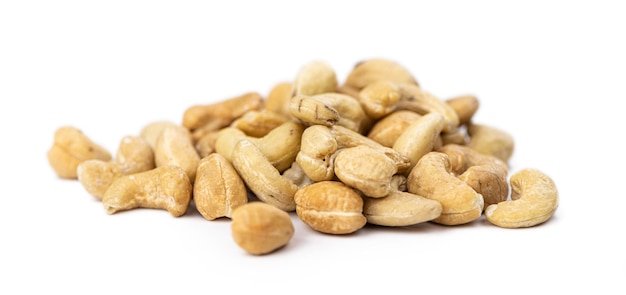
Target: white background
column 552, row 73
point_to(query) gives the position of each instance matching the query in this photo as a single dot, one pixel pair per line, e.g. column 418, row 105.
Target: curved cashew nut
column 400, row 208
column 317, row 148
column 280, row 146
column 320, row 144
column 387, row 130
column 166, row 187
column 381, row 98
column 202, row 119
column 486, row 174
column 534, row 199
column 349, row 138
column 419, row 138
column 330, row 109
column 263, row 179
column 432, row 178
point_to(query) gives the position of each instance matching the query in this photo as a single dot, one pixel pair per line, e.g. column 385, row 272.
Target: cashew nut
column 175, row 147
column 320, row 143
column 315, row 77
column 260, row 228
column 432, row 178
column 201, row 119
column 218, row 189
column 280, row 146
column 486, row 174
column 315, row 158
column 366, row 169
column 400, row 208
column 259, row 123
column 166, row 187
column 387, row 130
column 70, row 148
column 330, row 109
column 465, row 107
column 419, row 138
column 330, row 207
column 534, row 199
column 151, row 132
column 382, row 98
column 491, row 141
column 133, row 155
column 378, row 69
column 261, row 177
column 277, row 100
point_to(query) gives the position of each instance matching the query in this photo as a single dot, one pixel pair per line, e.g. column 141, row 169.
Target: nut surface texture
column 486, row 174
column 218, row 189
column 166, row 187
column 432, row 178
column 262, row 178
column 260, row 228
column 330, row 207
column 70, row 148
column 534, row 199
column 400, row 209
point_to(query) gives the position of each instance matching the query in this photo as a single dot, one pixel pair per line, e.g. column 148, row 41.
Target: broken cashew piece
column 534, row 199
column 133, row 155
column 70, row 148
column 166, row 187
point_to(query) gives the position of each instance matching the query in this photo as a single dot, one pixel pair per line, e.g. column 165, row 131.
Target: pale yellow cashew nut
column 432, row 178
column 534, row 199
column 261, row 177
column 315, row 77
column 133, row 155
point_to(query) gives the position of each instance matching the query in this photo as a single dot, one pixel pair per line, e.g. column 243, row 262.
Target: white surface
column 550, row 73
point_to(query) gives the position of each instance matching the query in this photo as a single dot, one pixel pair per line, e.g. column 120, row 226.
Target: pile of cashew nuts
column 376, row 148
